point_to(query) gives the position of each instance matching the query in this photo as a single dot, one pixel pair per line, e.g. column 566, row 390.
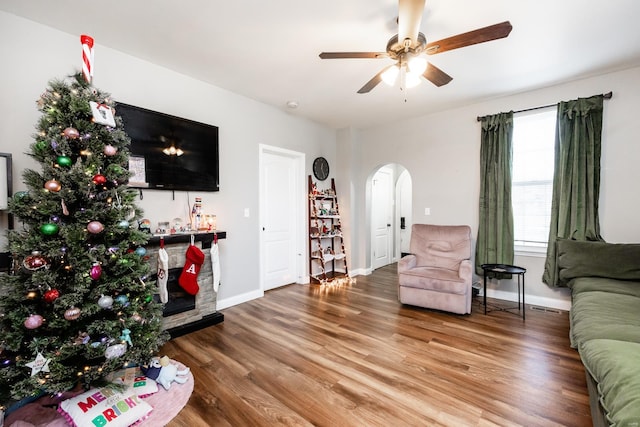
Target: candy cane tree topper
column 87, row 57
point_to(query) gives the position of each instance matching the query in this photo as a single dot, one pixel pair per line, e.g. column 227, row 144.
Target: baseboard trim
column 221, row 304
column 531, row 299
column 360, row 272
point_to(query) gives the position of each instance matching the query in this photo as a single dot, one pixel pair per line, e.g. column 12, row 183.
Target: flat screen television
column 170, row 153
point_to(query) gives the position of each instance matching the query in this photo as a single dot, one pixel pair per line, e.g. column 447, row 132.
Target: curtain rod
column 607, row 95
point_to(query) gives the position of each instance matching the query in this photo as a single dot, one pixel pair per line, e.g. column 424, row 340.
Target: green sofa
column 605, row 324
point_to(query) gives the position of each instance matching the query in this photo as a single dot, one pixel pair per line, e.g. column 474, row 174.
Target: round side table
column 494, row 269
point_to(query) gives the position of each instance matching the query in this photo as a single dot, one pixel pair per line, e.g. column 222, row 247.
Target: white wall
column 441, row 152
column 34, row 54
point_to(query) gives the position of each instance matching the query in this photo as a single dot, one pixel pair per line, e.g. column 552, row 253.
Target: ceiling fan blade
column 409, row 17
column 374, row 81
column 346, row 55
column 436, row 76
column 480, row 35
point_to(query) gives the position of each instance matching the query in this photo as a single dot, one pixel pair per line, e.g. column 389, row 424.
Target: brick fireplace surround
column 204, row 314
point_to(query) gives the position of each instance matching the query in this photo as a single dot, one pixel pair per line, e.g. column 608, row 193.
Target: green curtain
column 495, row 229
column 576, row 179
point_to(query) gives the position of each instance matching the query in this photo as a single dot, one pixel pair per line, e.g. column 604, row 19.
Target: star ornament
column 41, row 364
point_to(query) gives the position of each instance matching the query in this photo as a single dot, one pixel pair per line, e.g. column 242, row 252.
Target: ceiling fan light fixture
column 412, row 79
column 390, row 75
column 417, row 65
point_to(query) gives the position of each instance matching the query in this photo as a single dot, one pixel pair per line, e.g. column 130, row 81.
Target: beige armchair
column 438, row 273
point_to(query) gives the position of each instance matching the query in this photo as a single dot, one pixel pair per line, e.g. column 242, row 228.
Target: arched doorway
column 390, row 199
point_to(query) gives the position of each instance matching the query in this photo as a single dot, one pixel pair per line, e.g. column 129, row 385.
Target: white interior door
column 381, row 218
column 280, row 217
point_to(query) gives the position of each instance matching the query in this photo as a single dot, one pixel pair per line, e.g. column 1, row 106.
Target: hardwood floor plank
column 354, row 356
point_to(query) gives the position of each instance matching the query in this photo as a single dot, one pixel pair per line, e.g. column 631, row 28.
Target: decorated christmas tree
column 79, row 304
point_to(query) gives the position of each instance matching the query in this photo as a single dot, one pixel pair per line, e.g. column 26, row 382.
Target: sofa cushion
column 615, row 366
column 598, row 314
column 435, row 279
column 576, row 258
column 588, row 284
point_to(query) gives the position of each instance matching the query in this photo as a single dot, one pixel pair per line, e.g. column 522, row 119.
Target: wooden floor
column 354, row 356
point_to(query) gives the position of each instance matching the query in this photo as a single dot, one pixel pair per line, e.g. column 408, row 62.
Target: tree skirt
column 166, row 405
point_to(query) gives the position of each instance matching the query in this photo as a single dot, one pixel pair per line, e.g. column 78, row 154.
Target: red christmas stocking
column 189, row 277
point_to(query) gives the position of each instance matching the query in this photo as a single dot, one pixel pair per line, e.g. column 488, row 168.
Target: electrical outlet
column 427, row 211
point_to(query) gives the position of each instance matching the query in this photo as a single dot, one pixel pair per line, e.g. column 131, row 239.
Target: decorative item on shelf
column 211, row 222
column 144, row 225
column 197, row 222
column 163, row 227
column 177, row 225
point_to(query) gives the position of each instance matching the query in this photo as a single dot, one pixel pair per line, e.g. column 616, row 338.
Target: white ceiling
column 268, row 50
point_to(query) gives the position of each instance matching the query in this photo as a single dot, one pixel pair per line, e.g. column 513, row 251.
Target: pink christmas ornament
column 87, row 57
column 95, row 227
column 96, row 271
column 33, row 322
column 110, row 150
column 52, row 185
column 71, row 133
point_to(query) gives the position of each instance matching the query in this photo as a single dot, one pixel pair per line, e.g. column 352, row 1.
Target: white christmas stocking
column 215, row 266
column 163, row 266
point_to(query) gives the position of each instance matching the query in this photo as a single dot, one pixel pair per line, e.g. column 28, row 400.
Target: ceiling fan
column 407, row 47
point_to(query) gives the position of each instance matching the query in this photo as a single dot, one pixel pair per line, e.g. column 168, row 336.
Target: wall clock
column 321, row 168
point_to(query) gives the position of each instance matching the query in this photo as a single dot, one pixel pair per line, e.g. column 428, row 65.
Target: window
column 532, row 178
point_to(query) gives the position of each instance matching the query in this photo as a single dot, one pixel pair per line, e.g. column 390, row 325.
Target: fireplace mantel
column 205, row 237
column 204, row 314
